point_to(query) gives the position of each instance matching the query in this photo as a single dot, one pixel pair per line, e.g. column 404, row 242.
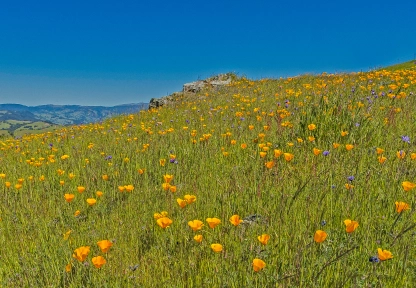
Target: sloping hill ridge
column 68, row 114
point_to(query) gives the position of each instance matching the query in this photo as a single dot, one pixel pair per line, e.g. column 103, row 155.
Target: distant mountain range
column 66, row 114
column 17, row 120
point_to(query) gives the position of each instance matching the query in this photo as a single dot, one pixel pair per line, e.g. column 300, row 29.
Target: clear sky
column 115, row 52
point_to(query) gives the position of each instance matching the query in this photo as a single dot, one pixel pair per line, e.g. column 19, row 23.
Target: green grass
column 203, row 136
column 400, row 66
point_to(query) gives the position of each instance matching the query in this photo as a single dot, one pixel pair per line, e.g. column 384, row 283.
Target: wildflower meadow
column 305, row 181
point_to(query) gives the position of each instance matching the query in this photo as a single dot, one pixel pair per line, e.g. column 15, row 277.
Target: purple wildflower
column 406, row 139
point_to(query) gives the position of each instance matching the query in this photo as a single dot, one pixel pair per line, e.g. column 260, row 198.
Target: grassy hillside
column 405, row 65
column 18, row 128
column 299, row 182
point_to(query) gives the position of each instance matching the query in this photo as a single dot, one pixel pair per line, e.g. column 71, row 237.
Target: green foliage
column 226, row 147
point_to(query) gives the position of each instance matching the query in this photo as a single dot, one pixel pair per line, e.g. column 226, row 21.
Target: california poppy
column 288, row 156
column 81, row 253
column 196, row 224
column 407, row 186
column 258, row 264
column 264, row 238
column 235, row 220
column 198, row 238
column 104, row 245
column 350, row 225
column 384, row 254
column 320, row 236
column 181, row 202
column 91, row 201
column 216, row 247
column 212, row 222
column 164, row 222
column 401, row 206
column 69, row 197
column 98, row 261
column 190, row 198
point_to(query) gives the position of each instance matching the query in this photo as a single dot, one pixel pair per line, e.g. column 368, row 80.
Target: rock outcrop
column 215, row 82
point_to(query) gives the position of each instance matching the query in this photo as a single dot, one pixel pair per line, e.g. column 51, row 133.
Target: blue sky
column 116, row 52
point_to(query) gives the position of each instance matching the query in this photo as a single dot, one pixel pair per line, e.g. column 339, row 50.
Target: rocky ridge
column 215, row 82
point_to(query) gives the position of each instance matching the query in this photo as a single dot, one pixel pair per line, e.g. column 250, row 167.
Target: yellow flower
column 335, row 145
column 263, row 154
column 311, row 138
column 64, row 157
column 350, row 225
column 216, row 247
column 348, row 186
column 69, row 197
column 68, row 267
column 81, row 189
column 2, row 176
column 277, row 153
column 381, row 159
column 121, row 188
column 162, row 162
column 258, row 264
column 212, row 222
column 243, row 146
column 198, row 238
column 61, row 182
column 99, row 193
column 235, row 220
column 81, row 253
column 349, row 147
column 105, row 177
column 91, row 201
column 311, row 127
column 379, row 151
column 401, row 206
column 167, row 178
column 269, row 164
column 196, row 225
column 190, row 198
column 320, row 236
column 98, row 261
column 288, row 156
column 400, row 154
column 172, row 188
column 413, row 156
column 384, row 254
column 7, row 184
column 344, row 133
column 77, row 213
column 104, row 245
column 141, row 171
column 316, row 151
column 166, row 186
column 182, row 203
column 67, row 234
column 164, row 222
column 160, row 215
column 264, row 238
column 18, row 186
column 129, row 188
column 407, row 186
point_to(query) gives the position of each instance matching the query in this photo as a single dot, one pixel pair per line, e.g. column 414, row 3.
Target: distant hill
column 67, row 114
column 16, row 119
